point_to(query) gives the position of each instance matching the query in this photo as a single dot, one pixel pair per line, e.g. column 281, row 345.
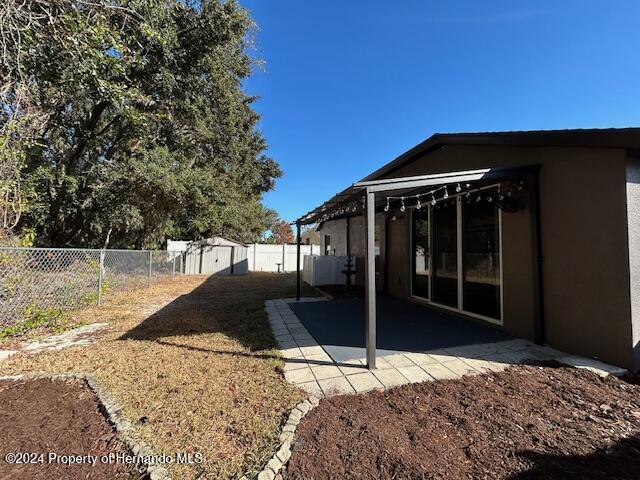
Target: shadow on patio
column 401, row 325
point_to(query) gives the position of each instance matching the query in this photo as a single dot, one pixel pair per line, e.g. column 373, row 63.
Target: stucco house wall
column 586, row 268
column 633, row 216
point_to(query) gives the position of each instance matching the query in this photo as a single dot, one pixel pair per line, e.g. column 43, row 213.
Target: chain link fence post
column 100, row 276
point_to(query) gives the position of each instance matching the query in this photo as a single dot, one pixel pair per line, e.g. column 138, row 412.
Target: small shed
column 211, row 256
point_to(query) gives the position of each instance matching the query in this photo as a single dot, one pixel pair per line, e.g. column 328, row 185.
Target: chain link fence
column 65, row 278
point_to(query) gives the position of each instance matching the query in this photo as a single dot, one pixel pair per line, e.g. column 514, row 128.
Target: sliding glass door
column 421, row 256
column 481, row 258
column 456, row 255
column 445, row 254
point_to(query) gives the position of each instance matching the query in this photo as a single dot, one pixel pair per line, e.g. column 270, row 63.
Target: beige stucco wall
column 633, row 216
column 584, row 244
column 589, row 291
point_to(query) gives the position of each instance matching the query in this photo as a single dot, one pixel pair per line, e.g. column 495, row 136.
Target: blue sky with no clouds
column 349, row 85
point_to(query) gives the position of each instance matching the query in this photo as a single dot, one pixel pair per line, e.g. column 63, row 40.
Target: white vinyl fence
column 326, row 269
column 204, row 259
column 277, row 258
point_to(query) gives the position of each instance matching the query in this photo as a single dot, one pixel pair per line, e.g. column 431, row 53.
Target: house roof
column 627, row 138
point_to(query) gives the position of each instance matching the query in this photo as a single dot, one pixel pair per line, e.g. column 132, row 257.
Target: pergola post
column 370, row 279
column 298, row 240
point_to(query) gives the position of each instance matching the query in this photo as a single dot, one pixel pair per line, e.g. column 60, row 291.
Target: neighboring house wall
column 337, row 230
column 633, row 216
column 584, row 245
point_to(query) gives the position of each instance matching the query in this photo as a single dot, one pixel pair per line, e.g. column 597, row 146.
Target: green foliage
column 34, row 318
column 28, row 237
column 144, row 130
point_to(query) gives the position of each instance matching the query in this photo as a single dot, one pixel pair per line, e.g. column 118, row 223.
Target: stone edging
column 281, row 457
column 112, row 410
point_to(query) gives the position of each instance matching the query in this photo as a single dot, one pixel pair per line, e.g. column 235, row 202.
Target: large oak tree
column 127, row 119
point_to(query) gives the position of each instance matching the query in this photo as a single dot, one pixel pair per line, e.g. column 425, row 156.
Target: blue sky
column 349, row 85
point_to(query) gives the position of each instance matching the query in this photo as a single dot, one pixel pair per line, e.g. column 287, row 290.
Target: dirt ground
column 194, row 366
column 56, row 418
column 529, row 422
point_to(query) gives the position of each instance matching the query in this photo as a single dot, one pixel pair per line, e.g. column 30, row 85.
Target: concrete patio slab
column 390, row 378
column 327, row 369
column 301, row 375
column 398, row 361
column 364, row 382
column 420, row 358
column 335, row 386
column 439, row 371
column 461, row 368
column 415, row 374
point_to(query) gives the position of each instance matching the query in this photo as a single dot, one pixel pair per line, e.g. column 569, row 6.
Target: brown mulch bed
column 52, row 416
column 529, row 422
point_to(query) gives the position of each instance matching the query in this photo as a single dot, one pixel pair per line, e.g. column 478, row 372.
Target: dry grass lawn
column 193, row 363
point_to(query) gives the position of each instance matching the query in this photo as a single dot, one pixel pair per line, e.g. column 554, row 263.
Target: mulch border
column 282, row 455
column 112, row 412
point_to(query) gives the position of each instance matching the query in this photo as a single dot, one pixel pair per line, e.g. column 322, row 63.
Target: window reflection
column 421, row 267
column 445, row 254
column 481, row 257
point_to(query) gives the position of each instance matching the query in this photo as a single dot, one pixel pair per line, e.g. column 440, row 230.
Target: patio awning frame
column 367, row 190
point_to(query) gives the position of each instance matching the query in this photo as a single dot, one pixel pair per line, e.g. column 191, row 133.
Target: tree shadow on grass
column 618, row 461
column 230, row 305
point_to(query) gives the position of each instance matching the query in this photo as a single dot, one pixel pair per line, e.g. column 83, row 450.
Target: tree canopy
column 127, row 120
column 281, row 233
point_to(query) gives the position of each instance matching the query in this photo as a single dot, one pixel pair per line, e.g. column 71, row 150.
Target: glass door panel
column 421, row 260
column 481, row 258
column 445, row 253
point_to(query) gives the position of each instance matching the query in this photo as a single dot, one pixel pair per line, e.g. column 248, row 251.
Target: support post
column 255, row 254
column 150, row 259
column 284, row 252
column 370, row 279
column 298, row 240
column 173, row 267
column 100, row 276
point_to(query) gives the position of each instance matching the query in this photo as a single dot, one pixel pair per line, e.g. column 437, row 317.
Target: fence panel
column 61, row 278
column 274, row 258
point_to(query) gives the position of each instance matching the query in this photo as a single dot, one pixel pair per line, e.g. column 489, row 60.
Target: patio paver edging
column 112, row 410
column 281, row 457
